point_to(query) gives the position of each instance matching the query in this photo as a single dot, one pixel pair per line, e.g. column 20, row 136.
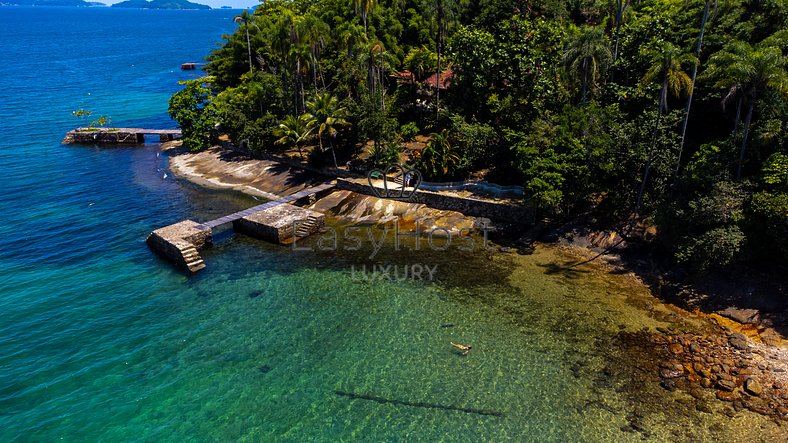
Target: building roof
column 408, row 78
column 445, row 79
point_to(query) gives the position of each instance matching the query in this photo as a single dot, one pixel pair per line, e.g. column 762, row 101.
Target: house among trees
column 424, row 89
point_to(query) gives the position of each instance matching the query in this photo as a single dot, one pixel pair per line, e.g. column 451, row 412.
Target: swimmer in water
column 467, row 349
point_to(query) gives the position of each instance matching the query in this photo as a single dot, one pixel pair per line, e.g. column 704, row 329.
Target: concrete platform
column 180, row 243
column 276, row 221
column 281, row 224
column 118, row 136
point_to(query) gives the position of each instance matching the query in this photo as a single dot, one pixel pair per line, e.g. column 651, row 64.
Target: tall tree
column 314, row 33
column 704, row 19
column 751, row 71
column 282, row 38
column 586, row 59
column 245, row 17
column 362, row 8
column 667, row 69
column 444, row 12
column 621, row 6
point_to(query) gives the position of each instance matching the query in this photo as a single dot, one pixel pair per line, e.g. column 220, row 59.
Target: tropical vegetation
column 665, row 112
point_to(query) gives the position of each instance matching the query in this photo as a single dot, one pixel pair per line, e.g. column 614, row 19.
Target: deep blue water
column 102, row 341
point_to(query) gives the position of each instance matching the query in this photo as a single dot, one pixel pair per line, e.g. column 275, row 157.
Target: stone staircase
column 192, row 258
column 304, row 228
column 307, row 227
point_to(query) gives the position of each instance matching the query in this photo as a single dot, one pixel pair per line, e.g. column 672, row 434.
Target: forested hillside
column 672, row 110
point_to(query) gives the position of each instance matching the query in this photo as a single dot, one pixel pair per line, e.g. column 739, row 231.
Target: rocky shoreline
column 724, row 365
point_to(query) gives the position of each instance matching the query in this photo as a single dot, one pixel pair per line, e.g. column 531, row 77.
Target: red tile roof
column 445, row 80
column 408, row 78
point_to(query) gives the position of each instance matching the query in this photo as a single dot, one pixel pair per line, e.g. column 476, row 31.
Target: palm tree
column 621, row 7
column 378, row 61
column 444, row 11
column 300, row 55
column 667, row 68
column 586, row 58
column 363, row 7
column 704, row 19
column 439, row 17
column 369, row 58
column 314, row 33
column 245, row 17
column 281, row 42
column 329, row 116
column 749, row 72
column 352, row 36
column 293, row 131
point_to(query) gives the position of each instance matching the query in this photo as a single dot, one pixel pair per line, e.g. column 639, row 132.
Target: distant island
column 159, row 4
column 77, row 3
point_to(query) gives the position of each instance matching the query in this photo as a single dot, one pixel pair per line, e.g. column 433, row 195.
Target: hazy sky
column 211, row 3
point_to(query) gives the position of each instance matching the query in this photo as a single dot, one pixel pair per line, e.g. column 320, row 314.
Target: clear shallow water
column 100, row 340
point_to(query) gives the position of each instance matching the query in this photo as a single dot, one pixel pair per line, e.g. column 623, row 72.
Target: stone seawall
column 501, row 211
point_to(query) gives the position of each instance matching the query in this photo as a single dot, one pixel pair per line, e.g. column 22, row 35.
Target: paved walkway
column 287, row 199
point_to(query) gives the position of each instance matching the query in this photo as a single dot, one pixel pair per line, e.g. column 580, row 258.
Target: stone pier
column 277, row 221
column 281, row 224
column 118, row 136
column 180, row 243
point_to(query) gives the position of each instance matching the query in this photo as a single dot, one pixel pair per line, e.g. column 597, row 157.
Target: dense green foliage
column 673, row 111
column 194, row 108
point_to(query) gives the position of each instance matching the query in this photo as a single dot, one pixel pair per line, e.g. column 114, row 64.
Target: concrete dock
column 276, row 221
column 118, row 136
column 280, row 224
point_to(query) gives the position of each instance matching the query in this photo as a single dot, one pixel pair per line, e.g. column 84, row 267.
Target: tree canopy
column 655, row 107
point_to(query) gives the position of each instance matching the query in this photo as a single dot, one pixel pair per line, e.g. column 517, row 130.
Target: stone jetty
column 276, row 221
column 281, row 224
column 118, row 136
column 180, row 243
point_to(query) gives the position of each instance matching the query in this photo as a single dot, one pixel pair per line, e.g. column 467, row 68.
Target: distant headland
column 77, row 3
column 136, row 4
column 160, row 4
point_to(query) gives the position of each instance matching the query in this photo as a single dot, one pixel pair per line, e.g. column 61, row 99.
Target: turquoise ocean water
column 102, row 341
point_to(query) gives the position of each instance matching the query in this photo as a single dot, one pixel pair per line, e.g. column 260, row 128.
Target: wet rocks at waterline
column 728, row 367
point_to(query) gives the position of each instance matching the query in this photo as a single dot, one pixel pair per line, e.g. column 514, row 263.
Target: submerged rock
column 738, row 341
column 725, row 396
column 670, row 374
column 753, row 387
column 726, row 385
column 702, row 406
